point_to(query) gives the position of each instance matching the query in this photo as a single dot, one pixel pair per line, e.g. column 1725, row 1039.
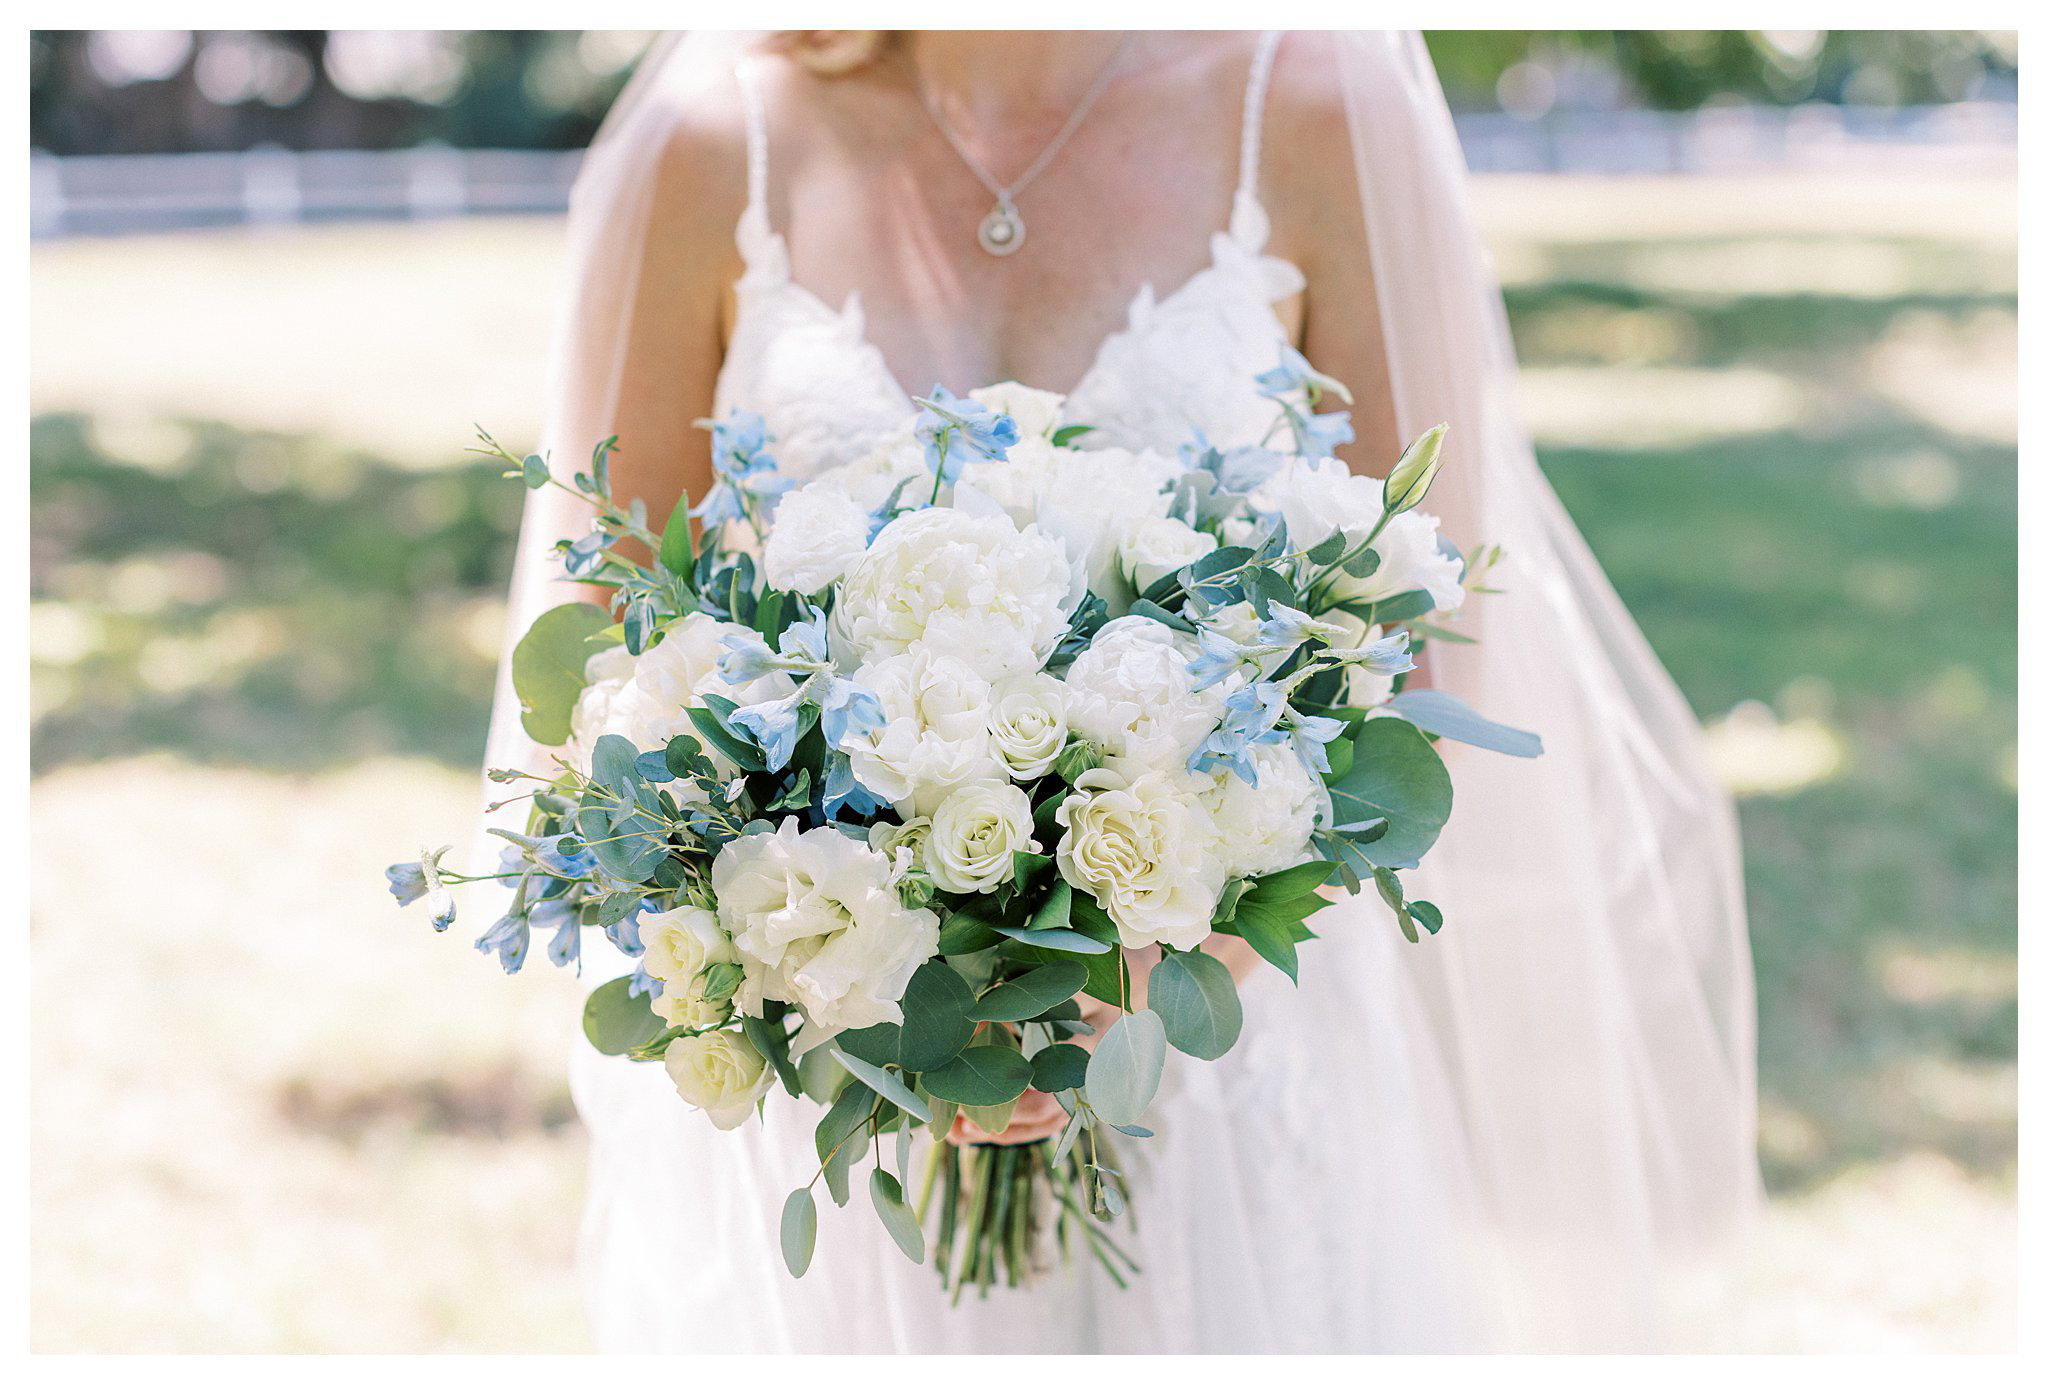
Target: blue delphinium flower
column 746, row 473
column 559, row 914
column 1386, row 656
column 848, row 709
column 774, row 726
column 576, row 863
column 1251, row 718
column 1294, row 373
column 845, row 707
column 1311, row 737
column 1319, row 435
column 956, row 431
column 508, row 937
column 408, row 881
column 843, row 790
column 1221, row 656
column 625, row 933
column 643, row 985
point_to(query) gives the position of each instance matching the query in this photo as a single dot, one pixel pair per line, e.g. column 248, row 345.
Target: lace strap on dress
column 759, row 246
column 1248, row 224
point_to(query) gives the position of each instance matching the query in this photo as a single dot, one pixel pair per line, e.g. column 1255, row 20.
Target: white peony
column 819, row 532
column 972, row 835
column 819, row 925
column 896, row 467
column 1130, row 695
column 1144, row 846
column 1027, row 724
column 1037, row 412
column 1362, row 687
column 973, row 586
column 1159, row 544
column 934, row 735
column 1094, row 497
column 1018, row 485
column 680, row 944
column 720, row 1074
column 1267, row 828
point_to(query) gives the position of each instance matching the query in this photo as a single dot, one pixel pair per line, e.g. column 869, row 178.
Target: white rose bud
column 680, row 943
column 1028, row 724
column 819, row 532
column 1159, row 544
column 720, row 1074
column 973, row 835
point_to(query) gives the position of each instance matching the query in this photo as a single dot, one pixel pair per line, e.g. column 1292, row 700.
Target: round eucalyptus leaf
column 1123, row 1075
column 617, row 1021
column 1197, row 1004
column 1059, row 1067
column 799, row 1231
column 985, row 1075
column 936, row 1025
column 1395, row 774
column 1032, row 993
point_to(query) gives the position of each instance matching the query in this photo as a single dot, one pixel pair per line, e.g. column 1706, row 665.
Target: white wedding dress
column 1520, row 1133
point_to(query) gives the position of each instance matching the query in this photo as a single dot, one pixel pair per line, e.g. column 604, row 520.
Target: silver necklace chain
column 1002, row 230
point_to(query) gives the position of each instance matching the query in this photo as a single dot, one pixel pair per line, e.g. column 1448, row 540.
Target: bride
column 1532, row 1131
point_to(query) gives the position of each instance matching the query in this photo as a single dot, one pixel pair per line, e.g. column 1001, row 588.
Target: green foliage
column 1196, row 1002
column 547, row 667
column 1395, row 774
column 936, row 1020
column 1031, row 994
column 1059, row 1067
column 897, row 1218
column 799, row 1231
column 984, row 1075
column 1123, row 1074
column 616, row 1021
column 885, row 1084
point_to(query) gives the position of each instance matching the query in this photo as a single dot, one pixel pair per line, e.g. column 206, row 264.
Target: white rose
column 972, row 586
column 680, row 944
column 1027, row 724
column 1319, row 497
column 1267, row 828
column 817, row 921
column 934, row 735
column 1129, row 693
column 819, row 532
column 903, row 843
column 1094, row 497
column 972, row 835
column 1410, row 560
column 1159, row 544
column 720, row 1074
column 1146, row 849
column 1362, row 687
column 1037, row 411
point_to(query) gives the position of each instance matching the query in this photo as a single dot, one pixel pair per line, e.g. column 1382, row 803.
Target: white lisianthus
column 819, row 532
column 1094, row 497
column 1410, row 560
column 1129, row 694
column 817, row 921
column 934, row 735
column 680, row 943
column 1037, row 412
column 973, row 586
column 648, row 699
column 1267, row 828
column 973, row 834
column 1027, row 724
column 1362, row 687
column 1145, row 848
column 1159, row 544
column 720, row 1074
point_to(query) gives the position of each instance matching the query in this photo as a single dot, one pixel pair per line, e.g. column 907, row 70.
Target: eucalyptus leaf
column 1197, row 1004
column 985, row 1075
column 1395, row 774
column 547, row 668
column 897, row 1218
column 887, row 1083
column 1442, row 714
column 1123, row 1074
column 936, row 1024
column 771, row 1043
column 799, row 1231
column 617, row 1021
column 1034, row 992
column 1059, row 1067
column 1055, row 939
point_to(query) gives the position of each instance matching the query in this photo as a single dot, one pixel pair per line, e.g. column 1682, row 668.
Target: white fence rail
column 261, row 187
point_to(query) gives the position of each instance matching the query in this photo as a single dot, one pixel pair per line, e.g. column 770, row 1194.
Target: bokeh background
column 1764, row 286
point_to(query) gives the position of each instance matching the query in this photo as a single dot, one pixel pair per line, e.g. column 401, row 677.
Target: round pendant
column 1002, row 230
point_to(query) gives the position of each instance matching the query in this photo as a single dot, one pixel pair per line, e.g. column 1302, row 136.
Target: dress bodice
column 1182, row 362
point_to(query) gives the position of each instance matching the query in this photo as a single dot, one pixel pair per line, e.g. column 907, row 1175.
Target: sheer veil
column 1584, row 1023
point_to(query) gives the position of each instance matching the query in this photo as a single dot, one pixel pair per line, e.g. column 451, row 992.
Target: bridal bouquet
column 885, row 776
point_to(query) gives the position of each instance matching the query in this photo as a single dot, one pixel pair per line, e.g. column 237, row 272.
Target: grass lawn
column 264, row 603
